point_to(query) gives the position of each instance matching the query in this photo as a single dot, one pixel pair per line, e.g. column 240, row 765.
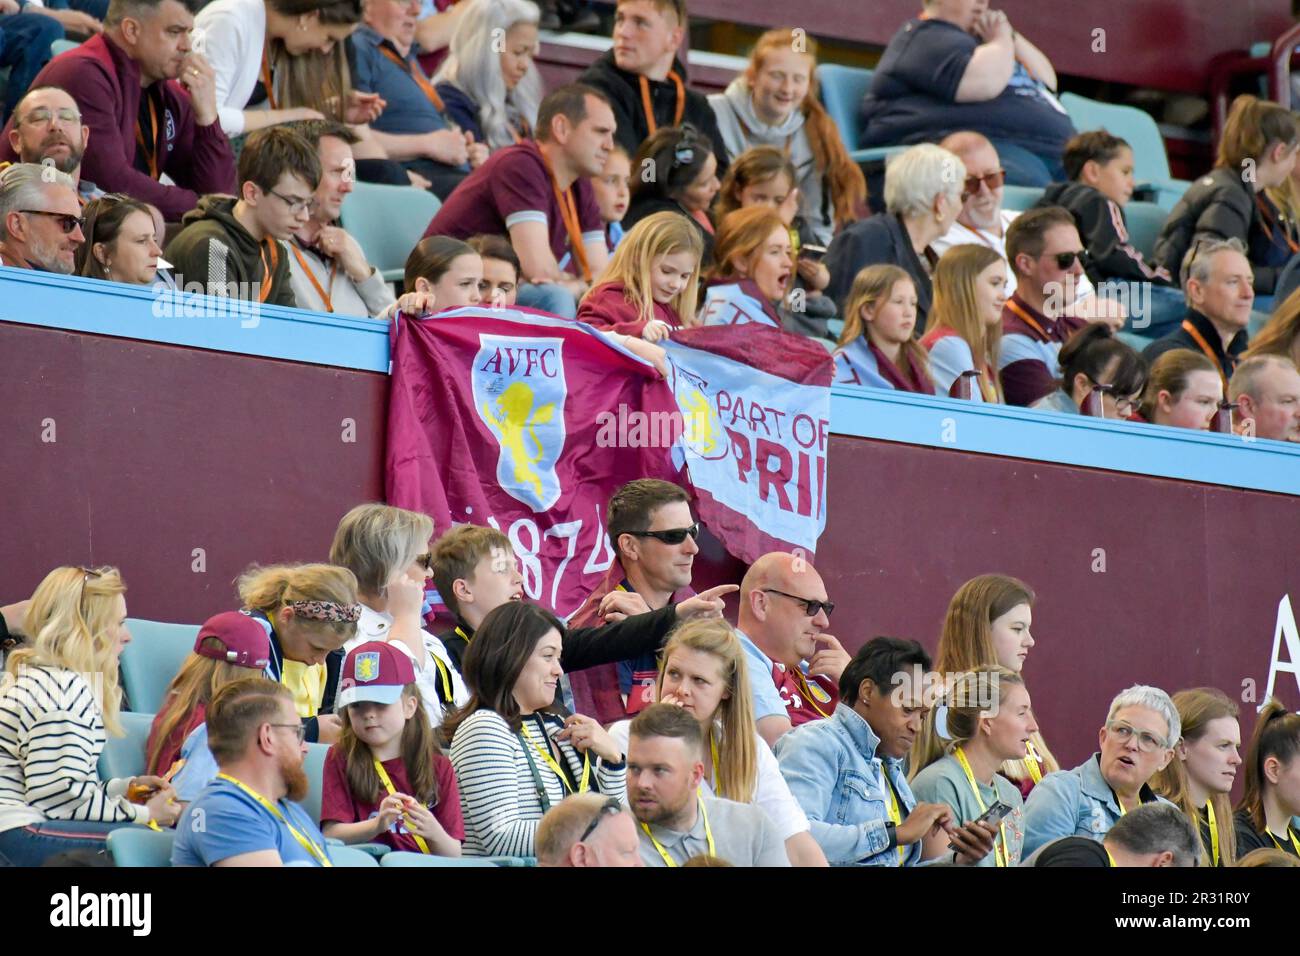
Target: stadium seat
column 423, row 859
column 1144, row 222
column 351, row 856
column 842, row 90
column 314, row 765
column 125, row 756
column 137, row 846
column 388, row 221
column 152, row 659
column 63, row 46
column 1150, row 161
column 1020, row 198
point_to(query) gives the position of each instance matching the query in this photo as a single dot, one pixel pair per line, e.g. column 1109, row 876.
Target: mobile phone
column 812, row 252
column 993, row 815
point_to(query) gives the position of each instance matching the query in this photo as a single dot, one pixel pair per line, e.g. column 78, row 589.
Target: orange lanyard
column 270, row 259
column 419, row 78
column 650, row 123
column 266, row 79
column 1205, row 347
column 150, row 148
column 1029, row 319
column 311, row 277
column 1270, row 221
column 569, row 213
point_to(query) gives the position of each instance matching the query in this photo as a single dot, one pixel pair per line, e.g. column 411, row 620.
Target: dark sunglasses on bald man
column 610, row 808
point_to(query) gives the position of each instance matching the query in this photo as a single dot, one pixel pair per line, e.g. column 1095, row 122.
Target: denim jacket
column 1076, row 802
column 834, row 773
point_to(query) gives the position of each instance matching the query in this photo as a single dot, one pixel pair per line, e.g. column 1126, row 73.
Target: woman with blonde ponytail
column 1200, row 777
column 775, row 102
column 59, row 697
column 704, row 672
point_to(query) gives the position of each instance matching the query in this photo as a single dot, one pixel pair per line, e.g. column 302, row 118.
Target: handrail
column 1279, row 77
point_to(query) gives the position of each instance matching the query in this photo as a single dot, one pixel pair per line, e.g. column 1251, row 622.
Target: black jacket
column 1105, row 234
column 624, row 92
column 647, row 205
column 1218, row 206
column 881, row 238
column 1180, row 338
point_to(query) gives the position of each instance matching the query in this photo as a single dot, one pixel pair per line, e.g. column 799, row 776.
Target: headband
column 326, row 611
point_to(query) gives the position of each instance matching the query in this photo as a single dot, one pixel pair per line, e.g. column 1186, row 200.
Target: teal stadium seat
column 1144, row 222
column 842, row 90
column 1150, row 161
column 138, row 846
column 405, row 859
column 314, row 766
column 388, row 221
column 152, row 659
column 349, row 856
column 63, row 46
column 125, row 756
column 1020, row 198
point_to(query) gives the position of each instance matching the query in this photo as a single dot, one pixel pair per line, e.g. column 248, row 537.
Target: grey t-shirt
column 944, row 781
column 743, row 835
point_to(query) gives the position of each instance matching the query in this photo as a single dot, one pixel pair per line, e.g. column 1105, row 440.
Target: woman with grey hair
column 387, row 549
column 922, row 200
column 1138, row 739
column 489, row 83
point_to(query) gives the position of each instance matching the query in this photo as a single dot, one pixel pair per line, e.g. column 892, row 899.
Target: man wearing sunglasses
column 794, row 667
column 588, row 829
column 1137, row 741
column 250, row 814
column 236, row 247
column 653, row 534
column 40, row 219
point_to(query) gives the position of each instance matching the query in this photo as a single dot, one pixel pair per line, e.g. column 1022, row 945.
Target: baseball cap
column 374, row 671
column 244, row 640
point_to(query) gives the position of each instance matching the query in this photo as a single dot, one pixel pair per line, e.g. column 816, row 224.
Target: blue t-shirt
column 409, row 110
column 913, row 95
column 200, row 766
column 767, row 699
column 224, row 822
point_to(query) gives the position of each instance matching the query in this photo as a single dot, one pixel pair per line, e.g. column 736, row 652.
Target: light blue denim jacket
column 833, row 771
column 1076, row 802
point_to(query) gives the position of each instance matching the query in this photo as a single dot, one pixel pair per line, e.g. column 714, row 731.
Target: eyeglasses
column 295, row 205
column 42, row 116
column 66, row 222
column 993, row 180
column 425, row 560
column 299, row 729
column 1065, row 260
column 86, row 575
column 671, row 536
column 811, row 608
column 610, row 808
column 1124, row 406
column 1147, row 743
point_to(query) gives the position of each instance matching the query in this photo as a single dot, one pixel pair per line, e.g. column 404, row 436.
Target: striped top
column 498, row 795
column 51, row 736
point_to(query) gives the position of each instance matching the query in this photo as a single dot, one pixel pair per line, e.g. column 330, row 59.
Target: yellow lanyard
column 387, row 781
column 1033, row 763
column 713, row 750
column 1290, row 833
column 545, row 754
column 999, row 856
column 708, row 833
column 1109, row 857
column 446, row 678
column 1214, row 833
column 307, row 842
column 463, row 636
column 895, row 813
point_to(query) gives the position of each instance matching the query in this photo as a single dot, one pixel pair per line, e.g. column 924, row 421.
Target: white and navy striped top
column 498, row 794
column 51, row 736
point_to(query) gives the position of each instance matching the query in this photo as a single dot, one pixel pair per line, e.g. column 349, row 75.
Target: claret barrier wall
column 183, row 442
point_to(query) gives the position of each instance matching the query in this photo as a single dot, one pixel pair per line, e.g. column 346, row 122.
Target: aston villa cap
column 375, row 671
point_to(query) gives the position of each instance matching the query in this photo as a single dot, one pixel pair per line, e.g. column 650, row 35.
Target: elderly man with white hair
column 1138, row 739
column 40, row 219
column 923, row 189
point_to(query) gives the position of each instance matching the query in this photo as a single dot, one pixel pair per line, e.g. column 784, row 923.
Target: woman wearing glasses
column 60, row 696
column 1094, row 358
column 1137, row 741
column 923, row 189
column 965, row 334
column 684, row 180
column 121, row 245
column 388, row 550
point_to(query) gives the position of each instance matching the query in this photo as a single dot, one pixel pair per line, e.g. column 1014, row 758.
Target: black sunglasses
column 86, row 575
column 809, row 607
column 610, row 808
column 1066, row 259
column 672, row 536
column 66, row 222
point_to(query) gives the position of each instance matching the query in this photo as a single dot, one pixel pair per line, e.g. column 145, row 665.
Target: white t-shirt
column 772, row 794
column 960, row 235
column 233, row 32
column 376, row 625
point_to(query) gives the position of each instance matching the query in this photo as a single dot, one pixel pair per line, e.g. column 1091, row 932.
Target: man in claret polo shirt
column 794, row 667
column 539, row 193
column 1045, row 252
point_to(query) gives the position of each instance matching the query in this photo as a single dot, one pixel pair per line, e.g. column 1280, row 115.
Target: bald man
column 588, row 830
column 794, row 667
column 1266, row 389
